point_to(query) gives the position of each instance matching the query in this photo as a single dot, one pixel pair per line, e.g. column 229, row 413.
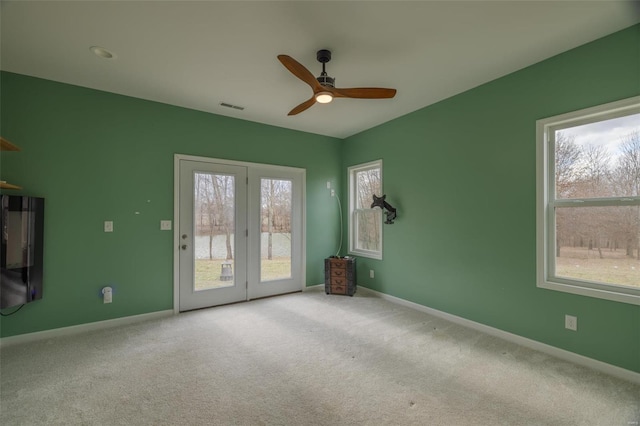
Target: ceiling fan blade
column 364, row 93
column 303, row 106
column 300, row 71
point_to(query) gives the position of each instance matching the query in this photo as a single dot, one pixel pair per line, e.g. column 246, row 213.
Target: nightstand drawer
column 338, row 263
column 338, row 272
column 338, row 281
column 338, row 289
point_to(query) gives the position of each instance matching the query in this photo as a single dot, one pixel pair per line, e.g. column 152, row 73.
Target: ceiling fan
column 323, row 87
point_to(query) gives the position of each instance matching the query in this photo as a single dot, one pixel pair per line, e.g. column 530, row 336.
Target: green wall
column 97, row 156
column 462, row 174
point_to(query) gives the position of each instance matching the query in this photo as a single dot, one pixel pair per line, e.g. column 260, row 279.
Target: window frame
column 353, row 227
column 546, row 202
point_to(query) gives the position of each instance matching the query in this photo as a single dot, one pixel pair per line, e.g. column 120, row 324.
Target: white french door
column 212, row 234
column 239, row 232
column 275, row 229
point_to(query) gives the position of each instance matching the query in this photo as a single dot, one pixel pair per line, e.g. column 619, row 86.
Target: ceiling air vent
column 224, row 104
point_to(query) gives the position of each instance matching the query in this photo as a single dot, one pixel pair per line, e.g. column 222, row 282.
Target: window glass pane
column 368, row 229
column 599, row 160
column 214, row 222
column 365, row 223
column 367, row 184
column 275, row 234
column 599, row 244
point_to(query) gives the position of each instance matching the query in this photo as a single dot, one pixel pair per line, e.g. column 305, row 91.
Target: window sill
column 633, row 299
column 363, row 253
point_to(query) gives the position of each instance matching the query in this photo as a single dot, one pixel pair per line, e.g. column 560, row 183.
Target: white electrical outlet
column 371, row 273
column 108, row 226
column 333, row 192
column 165, row 225
column 107, row 295
column 571, row 322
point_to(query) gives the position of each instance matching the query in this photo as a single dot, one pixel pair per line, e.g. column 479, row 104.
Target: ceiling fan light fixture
column 324, row 89
column 324, row 97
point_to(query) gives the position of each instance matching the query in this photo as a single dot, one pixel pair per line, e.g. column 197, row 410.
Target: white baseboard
column 313, row 287
column 594, row 364
column 81, row 328
column 98, row 325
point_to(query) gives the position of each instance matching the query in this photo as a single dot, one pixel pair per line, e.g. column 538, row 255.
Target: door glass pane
column 214, row 226
column 599, row 244
column 275, row 233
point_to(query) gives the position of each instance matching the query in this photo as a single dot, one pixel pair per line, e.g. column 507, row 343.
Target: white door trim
column 176, row 213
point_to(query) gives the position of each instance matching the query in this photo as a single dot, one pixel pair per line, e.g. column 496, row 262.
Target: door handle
column 184, row 247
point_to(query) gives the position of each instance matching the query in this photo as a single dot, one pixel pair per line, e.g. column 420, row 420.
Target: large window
column 365, row 223
column 589, row 202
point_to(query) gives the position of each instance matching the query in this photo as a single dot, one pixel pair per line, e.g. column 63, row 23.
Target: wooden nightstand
column 340, row 275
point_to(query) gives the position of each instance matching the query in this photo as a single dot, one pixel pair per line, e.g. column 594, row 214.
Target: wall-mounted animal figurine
column 380, row 202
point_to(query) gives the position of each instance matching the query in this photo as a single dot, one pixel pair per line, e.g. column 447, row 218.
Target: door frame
column 176, row 214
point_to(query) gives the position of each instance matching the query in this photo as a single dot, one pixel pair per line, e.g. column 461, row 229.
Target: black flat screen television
column 22, row 225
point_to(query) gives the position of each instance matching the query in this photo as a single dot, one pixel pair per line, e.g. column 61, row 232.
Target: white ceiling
column 199, row 54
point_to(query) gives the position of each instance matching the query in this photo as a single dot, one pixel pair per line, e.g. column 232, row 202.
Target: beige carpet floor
column 302, row 359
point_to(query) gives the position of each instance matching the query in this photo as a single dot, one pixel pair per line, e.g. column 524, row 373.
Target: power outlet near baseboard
column 571, row 322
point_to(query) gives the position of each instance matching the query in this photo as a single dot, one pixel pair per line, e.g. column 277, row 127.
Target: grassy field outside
column 614, row 268
column 207, row 272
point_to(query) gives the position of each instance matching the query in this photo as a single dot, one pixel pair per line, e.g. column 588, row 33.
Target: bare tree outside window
column 214, row 208
column 367, row 184
column 627, row 179
column 595, row 241
column 567, row 156
column 275, row 219
column 365, row 222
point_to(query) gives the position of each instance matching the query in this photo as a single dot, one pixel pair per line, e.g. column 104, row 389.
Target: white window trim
column 545, row 188
column 373, row 254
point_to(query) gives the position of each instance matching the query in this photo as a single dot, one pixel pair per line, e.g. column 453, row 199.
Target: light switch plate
column 108, row 226
column 165, row 225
